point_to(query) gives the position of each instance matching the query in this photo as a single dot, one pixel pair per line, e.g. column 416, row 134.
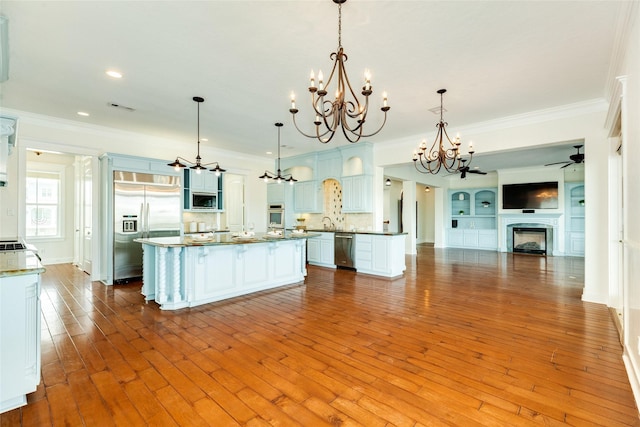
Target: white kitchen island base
column 179, row 276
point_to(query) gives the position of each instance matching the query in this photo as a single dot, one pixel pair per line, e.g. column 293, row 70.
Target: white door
column 86, row 214
column 234, row 201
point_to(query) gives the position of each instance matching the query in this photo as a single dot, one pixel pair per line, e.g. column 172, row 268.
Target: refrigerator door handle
column 147, row 222
column 142, row 220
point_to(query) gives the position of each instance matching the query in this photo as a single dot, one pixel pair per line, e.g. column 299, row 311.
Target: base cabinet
column 19, row 339
column 380, row 255
column 472, row 239
column 320, row 250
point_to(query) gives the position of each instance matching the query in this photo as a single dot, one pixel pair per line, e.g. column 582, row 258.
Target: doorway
column 63, row 228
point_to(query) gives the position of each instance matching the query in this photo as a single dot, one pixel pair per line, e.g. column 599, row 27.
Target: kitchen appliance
column 344, row 250
column 144, row 205
column 204, row 201
column 275, row 216
column 18, row 245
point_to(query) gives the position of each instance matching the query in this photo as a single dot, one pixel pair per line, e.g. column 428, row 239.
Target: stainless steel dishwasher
column 344, row 249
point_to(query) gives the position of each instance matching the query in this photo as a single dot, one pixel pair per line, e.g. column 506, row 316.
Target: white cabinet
column 186, row 276
column 307, row 197
column 19, row 339
column 356, row 193
column 472, row 238
column 380, row 255
column 203, row 182
column 320, row 250
column 275, row 193
column 487, row 239
column 574, row 225
column 473, row 219
column 329, row 165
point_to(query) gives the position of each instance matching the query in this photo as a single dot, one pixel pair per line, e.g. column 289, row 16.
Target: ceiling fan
column 575, row 158
column 464, row 170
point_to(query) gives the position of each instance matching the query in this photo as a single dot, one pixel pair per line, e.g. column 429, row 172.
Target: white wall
column 426, row 215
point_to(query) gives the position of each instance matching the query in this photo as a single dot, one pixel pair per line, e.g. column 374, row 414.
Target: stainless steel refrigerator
column 144, row 205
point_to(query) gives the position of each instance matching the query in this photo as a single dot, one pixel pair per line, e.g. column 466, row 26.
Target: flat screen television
column 532, row 195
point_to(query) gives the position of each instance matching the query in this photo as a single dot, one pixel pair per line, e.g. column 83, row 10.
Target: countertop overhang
column 223, row 239
column 378, row 233
column 18, row 263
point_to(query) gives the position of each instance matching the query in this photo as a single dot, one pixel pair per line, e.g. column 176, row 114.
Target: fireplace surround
column 554, row 244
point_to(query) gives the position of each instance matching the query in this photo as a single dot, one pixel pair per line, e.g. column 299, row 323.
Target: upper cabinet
column 473, row 208
column 574, row 225
column 356, row 194
column 329, row 165
column 275, row 193
column 307, row 197
column 351, row 166
column 204, row 183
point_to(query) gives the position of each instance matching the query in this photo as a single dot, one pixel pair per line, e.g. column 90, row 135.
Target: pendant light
column 278, row 177
column 197, row 165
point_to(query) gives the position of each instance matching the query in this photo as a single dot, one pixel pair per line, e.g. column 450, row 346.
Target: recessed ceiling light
column 83, row 114
column 269, row 152
column 204, row 139
column 113, row 73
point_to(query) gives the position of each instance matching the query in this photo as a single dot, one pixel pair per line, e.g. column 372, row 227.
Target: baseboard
column 616, row 321
column 50, row 261
column 633, row 378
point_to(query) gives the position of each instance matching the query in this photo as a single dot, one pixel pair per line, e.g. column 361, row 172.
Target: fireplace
column 530, row 240
column 554, row 243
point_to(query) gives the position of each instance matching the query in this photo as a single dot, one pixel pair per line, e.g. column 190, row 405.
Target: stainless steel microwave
column 204, row 201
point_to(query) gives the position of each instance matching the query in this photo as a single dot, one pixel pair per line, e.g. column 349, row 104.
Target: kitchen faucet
column 331, row 226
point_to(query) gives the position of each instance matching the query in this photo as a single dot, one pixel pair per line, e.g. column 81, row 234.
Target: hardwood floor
column 464, row 338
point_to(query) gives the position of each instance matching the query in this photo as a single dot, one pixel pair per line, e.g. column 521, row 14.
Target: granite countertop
column 379, row 233
column 18, row 263
column 207, row 239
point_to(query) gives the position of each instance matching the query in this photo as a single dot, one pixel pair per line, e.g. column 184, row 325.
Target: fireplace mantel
column 551, row 221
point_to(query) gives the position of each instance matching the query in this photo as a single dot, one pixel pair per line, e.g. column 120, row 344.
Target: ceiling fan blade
column 557, row 163
column 478, row 172
column 569, row 164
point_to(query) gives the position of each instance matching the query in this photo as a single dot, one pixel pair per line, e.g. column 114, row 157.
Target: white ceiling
column 496, row 58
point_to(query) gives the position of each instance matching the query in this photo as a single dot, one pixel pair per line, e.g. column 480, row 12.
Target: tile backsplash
column 332, row 208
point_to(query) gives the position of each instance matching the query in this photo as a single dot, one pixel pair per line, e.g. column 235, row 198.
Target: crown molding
column 532, row 117
column 35, row 119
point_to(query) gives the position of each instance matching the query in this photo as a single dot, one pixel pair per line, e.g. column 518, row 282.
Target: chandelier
column 278, row 177
column 197, row 166
column 442, row 154
column 345, row 111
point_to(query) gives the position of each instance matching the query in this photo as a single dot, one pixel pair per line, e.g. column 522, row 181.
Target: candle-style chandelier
column 345, row 111
column 442, row 154
column 197, row 166
column 278, row 177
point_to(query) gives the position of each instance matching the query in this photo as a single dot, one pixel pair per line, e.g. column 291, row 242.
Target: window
column 44, row 204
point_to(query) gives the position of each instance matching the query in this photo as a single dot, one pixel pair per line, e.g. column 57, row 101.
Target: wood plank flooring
column 465, row 338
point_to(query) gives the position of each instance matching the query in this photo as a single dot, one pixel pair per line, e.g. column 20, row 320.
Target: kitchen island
column 186, row 271
column 19, row 327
